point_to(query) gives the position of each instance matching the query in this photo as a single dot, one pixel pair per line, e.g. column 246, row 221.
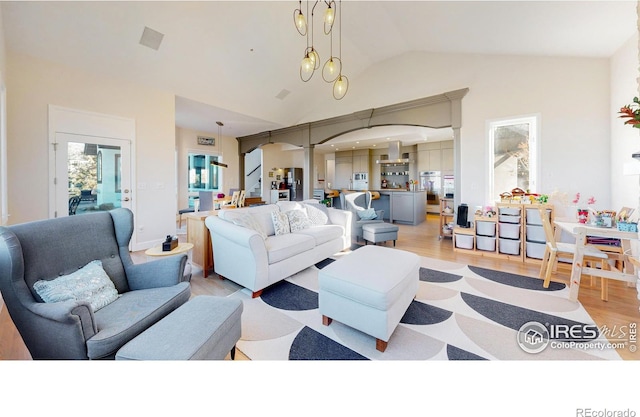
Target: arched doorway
column 440, row 111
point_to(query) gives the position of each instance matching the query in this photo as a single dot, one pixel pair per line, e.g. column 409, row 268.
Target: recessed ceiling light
column 332, row 146
column 374, row 145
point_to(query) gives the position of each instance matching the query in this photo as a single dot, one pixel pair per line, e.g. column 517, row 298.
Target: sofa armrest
column 69, row 315
column 163, row 272
column 340, row 217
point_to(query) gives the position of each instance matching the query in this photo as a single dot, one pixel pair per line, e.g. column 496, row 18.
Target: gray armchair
column 357, row 202
column 46, row 249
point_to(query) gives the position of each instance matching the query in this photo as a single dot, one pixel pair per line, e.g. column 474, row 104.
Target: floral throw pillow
column 280, row 222
column 298, row 220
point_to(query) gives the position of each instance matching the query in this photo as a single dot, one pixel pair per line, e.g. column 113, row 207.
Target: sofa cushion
column 90, row 283
column 262, row 214
column 298, row 220
column 323, row 234
column 290, row 205
column 131, row 314
column 280, row 247
column 250, row 221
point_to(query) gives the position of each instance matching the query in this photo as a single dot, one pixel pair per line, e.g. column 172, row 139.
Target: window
column 513, row 154
column 204, row 174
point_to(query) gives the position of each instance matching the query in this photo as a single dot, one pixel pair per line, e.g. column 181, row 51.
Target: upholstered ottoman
column 369, row 290
column 380, row 232
column 206, row 327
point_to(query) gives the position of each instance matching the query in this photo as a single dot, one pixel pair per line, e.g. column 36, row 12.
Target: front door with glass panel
column 92, row 174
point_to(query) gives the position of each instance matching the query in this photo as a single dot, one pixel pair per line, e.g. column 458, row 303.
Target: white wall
column 33, row 84
column 625, row 140
column 226, row 147
column 570, row 94
column 278, row 155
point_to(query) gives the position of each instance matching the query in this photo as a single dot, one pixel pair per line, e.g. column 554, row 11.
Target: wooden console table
column 198, row 234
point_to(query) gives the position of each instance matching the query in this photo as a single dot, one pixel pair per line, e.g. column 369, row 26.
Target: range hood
column 394, row 155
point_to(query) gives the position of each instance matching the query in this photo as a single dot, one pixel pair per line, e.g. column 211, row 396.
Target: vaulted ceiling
column 230, row 60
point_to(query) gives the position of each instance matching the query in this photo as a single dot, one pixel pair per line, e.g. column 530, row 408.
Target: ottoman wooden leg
column 326, row 320
column 381, row 345
column 233, row 353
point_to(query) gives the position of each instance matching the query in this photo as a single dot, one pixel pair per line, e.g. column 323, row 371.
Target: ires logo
column 534, row 337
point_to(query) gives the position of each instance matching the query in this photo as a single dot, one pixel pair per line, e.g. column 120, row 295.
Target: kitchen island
column 401, row 206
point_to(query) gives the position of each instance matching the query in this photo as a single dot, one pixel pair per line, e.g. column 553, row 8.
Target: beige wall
column 225, row 147
column 34, row 84
column 625, row 189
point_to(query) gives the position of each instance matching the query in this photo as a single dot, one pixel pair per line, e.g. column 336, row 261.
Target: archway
column 439, row 111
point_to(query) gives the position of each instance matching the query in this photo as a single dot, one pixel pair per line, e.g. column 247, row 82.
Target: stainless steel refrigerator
column 294, row 180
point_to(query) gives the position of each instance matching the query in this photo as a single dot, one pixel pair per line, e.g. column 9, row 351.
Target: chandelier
column 332, row 69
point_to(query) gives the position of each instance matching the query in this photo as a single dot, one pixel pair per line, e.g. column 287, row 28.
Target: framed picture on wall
column 202, row 140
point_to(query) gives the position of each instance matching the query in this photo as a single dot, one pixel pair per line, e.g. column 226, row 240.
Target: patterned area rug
column 460, row 313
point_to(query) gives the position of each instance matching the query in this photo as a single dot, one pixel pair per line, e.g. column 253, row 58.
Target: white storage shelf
column 516, row 233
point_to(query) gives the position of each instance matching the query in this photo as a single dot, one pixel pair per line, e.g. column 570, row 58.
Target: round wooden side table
column 157, row 251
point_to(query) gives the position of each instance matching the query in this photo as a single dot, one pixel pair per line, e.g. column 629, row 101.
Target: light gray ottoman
column 380, row 232
column 206, row 327
column 369, row 290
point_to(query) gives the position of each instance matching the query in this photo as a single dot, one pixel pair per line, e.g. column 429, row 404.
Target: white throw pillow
column 280, row 223
column 317, row 213
column 90, row 283
column 298, row 220
column 250, row 222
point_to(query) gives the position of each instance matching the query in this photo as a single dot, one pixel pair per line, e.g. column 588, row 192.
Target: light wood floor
column 621, row 309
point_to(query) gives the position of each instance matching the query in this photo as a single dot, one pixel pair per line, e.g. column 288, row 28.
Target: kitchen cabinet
column 435, row 156
column 361, row 161
column 447, row 160
column 343, row 170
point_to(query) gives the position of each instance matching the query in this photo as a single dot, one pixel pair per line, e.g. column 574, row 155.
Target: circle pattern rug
column 460, row 313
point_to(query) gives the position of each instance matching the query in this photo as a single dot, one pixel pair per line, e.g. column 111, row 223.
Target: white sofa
column 247, row 250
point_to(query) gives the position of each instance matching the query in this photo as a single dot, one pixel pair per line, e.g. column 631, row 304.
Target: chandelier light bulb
column 329, row 16
column 300, row 21
column 331, row 67
column 315, row 58
column 340, row 87
column 307, row 64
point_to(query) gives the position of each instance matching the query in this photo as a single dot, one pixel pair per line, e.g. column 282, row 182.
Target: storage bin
column 535, row 250
column 509, row 246
column 505, row 218
column 533, row 216
column 509, row 211
column 485, row 228
column 486, row 243
column 464, row 241
column 536, row 234
column 627, row 227
column 509, row 230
